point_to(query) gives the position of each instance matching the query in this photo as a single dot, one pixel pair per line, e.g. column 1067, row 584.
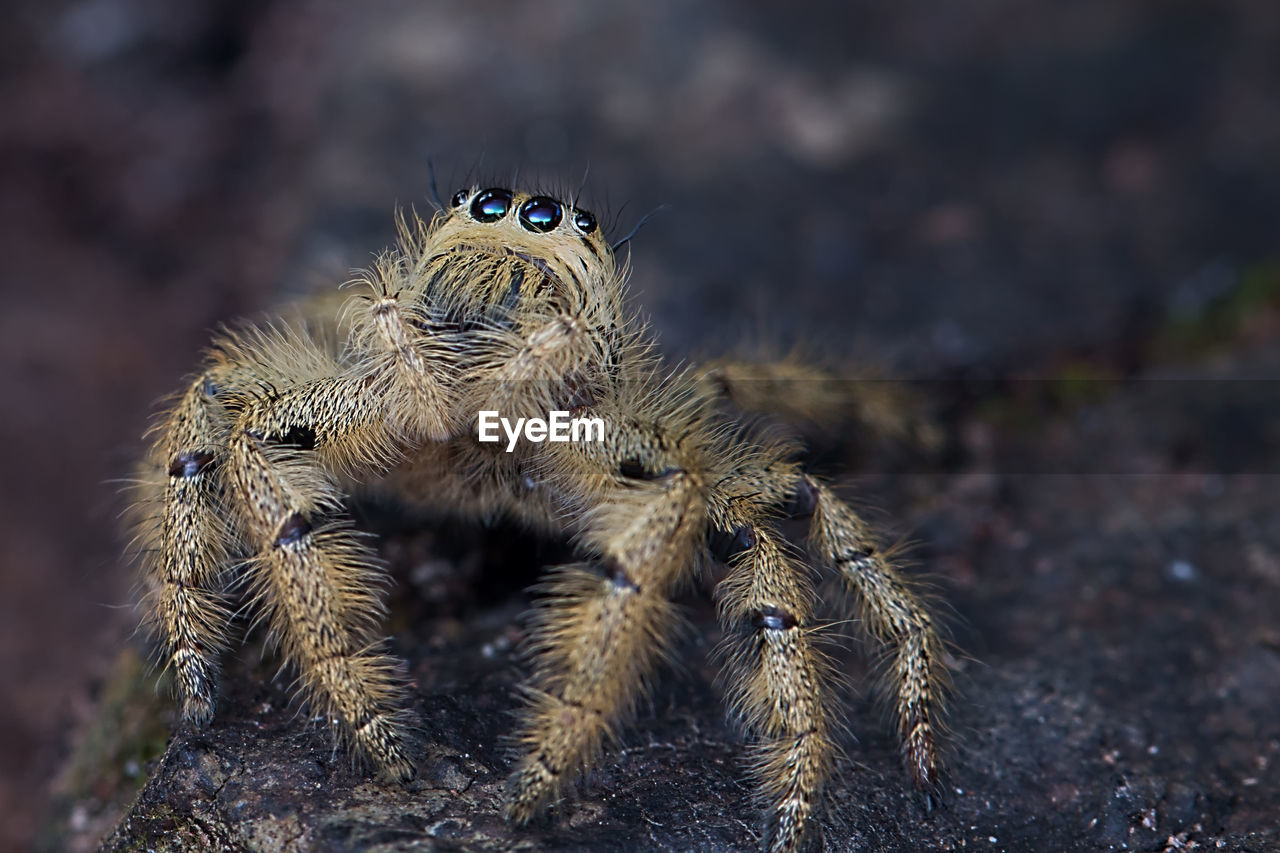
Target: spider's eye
column 540, row 214
column 585, row 222
column 459, row 198
column 491, row 205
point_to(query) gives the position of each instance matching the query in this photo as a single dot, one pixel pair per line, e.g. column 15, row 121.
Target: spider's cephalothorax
column 513, row 303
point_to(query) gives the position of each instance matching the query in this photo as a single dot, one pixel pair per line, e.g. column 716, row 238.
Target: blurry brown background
column 939, row 187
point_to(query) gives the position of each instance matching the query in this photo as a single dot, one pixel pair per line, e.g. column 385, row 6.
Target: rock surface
column 1117, row 687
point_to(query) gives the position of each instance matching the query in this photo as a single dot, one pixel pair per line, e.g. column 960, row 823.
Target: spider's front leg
column 600, row 632
column 320, row 584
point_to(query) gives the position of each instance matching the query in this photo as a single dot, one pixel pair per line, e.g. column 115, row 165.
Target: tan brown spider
column 514, row 303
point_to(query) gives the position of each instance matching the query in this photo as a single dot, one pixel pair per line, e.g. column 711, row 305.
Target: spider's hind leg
column 779, row 677
column 824, row 403
column 894, row 614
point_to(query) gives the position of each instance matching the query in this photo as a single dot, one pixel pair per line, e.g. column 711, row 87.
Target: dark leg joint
column 725, row 545
column 857, row 555
column 775, row 619
column 301, row 437
column 618, row 577
column 804, row 501
column 294, row 528
column 634, row 469
column 190, row 463
column 578, row 396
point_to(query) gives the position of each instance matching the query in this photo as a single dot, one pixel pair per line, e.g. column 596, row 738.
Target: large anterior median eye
column 540, row 214
column 491, row 205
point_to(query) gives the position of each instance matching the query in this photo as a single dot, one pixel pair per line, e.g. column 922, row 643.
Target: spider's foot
column 922, row 763
column 383, row 741
column 787, row 832
column 528, row 791
column 197, row 711
column 401, row 770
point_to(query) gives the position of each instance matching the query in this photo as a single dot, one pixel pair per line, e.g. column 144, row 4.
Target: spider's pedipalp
column 407, row 369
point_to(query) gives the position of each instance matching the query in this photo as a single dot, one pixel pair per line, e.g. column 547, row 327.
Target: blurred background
column 944, row 190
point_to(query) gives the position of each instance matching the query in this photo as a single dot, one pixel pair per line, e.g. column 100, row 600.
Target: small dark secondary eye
column 585, row 222
column 459, row 198
column 491, row 205
column 540, row 214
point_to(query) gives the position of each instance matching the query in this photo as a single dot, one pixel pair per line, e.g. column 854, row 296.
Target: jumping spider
column 513, row 302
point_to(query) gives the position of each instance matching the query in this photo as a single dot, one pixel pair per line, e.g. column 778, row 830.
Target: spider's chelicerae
column 513, row 303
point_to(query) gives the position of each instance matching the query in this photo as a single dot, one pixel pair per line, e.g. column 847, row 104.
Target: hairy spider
column 512, row 302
